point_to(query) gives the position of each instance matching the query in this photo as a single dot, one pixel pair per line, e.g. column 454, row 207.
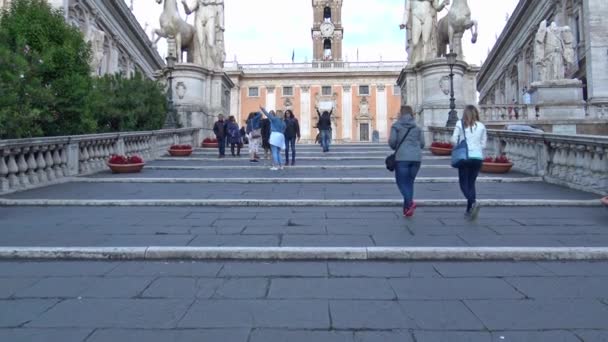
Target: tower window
column 327, row 49
column 327, row 13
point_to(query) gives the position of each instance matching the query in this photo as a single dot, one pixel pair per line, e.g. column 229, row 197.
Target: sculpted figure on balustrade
column 553, row 51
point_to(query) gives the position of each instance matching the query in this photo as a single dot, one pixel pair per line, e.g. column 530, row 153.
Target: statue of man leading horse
column 427, row 38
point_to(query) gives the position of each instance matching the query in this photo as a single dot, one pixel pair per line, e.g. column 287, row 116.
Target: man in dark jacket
column 324, row 126
column 219, row 128
column 292, row 132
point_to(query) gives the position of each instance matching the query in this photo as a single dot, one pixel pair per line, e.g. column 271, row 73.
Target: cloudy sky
column 258, row 31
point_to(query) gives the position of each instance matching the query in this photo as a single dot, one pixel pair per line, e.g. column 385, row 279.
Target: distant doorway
column 364, row 132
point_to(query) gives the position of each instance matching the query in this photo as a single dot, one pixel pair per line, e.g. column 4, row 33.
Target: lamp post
column 170, row 120
column 453, row 116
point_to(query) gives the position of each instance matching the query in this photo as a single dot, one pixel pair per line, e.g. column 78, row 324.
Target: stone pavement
column 300, row 300
column 303, row 301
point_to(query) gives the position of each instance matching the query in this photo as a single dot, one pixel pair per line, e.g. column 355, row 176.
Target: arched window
column 327, row 49
column 327, row 13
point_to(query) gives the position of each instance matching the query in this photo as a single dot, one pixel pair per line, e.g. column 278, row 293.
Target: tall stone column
column 381, row 111
column 305, row 112
column 271, row 99
column 347, row 113
column 596, row 41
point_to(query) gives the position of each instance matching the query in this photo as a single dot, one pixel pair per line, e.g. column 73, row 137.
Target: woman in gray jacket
column 408, row 155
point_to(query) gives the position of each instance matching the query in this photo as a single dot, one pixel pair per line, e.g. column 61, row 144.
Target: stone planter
column 209, row 144
column 605, row 201
column 180, row 153
column 126, row 168
column 440, row 151
column 496, row 167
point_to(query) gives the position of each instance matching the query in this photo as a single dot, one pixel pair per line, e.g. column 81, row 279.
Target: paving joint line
column 298, row 180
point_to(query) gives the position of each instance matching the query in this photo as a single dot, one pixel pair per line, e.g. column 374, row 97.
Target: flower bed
column 124, row 164
column 441, row 148
column 209, row 143
column 499, row 164
column 180, row 150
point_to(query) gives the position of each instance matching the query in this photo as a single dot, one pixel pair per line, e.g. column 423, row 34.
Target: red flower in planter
column 497, row 160
column 123, row 160
column 180, row 147
column 441, row 144
column 210, row 140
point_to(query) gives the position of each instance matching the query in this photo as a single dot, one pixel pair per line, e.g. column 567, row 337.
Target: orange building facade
column 364, row 96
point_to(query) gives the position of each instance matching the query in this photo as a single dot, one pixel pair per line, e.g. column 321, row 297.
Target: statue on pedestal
column 172, row 25
column 553, row 51
column 209, row 27
column 420, row 20
column 451, row 28
column 96, row 37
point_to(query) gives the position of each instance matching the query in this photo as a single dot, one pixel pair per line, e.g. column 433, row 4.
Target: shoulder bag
column 391, row 161
column 460, row 152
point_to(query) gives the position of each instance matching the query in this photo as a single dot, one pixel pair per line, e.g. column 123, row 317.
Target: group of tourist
column 407, row 139
column 268, row 130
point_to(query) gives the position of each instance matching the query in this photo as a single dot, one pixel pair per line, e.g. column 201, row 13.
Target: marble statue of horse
column 172, row 25
column 451, row 28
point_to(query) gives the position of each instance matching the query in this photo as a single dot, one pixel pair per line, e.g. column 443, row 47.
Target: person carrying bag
column 467, row 156
column 407, row 140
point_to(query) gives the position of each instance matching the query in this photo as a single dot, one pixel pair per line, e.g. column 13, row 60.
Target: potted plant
column 209, row 143
column 180, row 150
column 124, row 164
column 499, row 164
column 439, row 148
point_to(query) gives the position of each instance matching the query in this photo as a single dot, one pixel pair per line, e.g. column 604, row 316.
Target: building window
column 326, row 90
column 364, row 90
column 396, row 90
column 287, row 91
column 254, row 92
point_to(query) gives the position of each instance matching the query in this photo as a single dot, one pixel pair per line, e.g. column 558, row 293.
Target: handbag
column 460, row 152
column 391, row 160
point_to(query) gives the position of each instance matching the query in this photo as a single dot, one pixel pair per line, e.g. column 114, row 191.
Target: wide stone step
column 302, row 227
column 328, row 191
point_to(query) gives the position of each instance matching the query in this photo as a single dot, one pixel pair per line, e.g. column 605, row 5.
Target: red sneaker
column 410, row 211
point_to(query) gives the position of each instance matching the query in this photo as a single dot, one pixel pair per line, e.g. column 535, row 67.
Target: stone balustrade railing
column 505, row 112
column 576, row 161
column 26, row 163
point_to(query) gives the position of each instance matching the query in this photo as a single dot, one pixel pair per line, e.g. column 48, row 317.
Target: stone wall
column 576, row 161
column 26, row 163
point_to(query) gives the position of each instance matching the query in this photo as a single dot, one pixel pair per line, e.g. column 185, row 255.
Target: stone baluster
column 63, row 153
column 22, row 165
column 31, row 166
column 13, row 169
column 82, row 158
column 48, row 159
column 41, row 165
column 4, row 186
column 57, row 162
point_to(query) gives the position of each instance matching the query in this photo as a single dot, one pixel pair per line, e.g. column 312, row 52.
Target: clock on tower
column 327, row 31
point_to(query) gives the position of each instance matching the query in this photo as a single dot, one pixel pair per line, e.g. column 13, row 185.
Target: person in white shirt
column 471, row 129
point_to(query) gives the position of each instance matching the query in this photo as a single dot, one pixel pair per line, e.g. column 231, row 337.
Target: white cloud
column 258, row 31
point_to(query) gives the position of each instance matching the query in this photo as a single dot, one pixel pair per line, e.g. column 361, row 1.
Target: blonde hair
column 470, row 116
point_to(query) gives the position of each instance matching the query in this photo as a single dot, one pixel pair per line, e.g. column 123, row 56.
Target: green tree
column 128, row 104
column 44, row 73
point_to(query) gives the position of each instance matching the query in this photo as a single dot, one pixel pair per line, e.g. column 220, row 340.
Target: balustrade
column 26, row 163
column 504, row 112
column 579, row 161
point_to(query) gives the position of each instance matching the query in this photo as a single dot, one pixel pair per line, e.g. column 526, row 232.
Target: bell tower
column 327, row 31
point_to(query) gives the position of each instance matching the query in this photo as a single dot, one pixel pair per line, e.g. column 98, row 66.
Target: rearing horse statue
column 451, row 28
column 172, row 25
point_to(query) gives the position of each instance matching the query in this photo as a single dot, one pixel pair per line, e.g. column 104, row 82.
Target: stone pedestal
column 559, row 99
column 200, row 95
column 426, row 87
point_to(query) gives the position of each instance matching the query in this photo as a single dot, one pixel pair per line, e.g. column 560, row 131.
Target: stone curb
column 301, row 167
column 291, row 203
column 370, row 180
column 308, row 253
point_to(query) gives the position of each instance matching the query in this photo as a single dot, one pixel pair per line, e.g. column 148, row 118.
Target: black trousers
column 467, row 176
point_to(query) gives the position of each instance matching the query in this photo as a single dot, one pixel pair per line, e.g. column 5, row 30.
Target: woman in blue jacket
column 277, row 138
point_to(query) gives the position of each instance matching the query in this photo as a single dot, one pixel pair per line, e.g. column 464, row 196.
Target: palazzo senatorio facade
column 364, row 95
